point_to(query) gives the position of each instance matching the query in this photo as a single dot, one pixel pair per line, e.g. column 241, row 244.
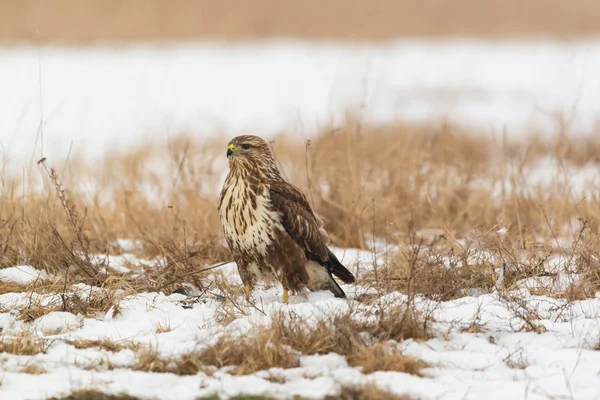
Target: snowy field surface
column 98, row 98
column 499, row 362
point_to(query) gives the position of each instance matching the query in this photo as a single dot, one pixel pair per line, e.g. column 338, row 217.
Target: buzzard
column 270, row 228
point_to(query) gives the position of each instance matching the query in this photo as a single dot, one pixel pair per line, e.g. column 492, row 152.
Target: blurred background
column 87, row 77
column 77, row 22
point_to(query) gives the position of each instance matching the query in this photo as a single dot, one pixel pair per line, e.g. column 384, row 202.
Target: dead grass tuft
column 94, row 395
column 163, row 328
column 385, row 357
column 25, row 344
column 148, row 359
column 35, row 310
column 517, row 360
column 33, row 369
column 364, row 344
column 104, row 344
column 36, row 287
column 250, row 354
column 475, row 326
column 94, row 303
column 398, row 323
column 365, row 392
column 525, row 316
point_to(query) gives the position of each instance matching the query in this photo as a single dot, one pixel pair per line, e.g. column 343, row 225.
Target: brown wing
column 299, row 221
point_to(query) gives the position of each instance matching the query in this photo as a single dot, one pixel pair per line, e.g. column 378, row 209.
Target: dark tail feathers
column 336, row 268
column 335, row 288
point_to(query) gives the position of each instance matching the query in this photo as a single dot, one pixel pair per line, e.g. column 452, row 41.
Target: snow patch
column 22, row 275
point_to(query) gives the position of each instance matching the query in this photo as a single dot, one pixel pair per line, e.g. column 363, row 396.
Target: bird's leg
column 248, row 290
column 285, row 295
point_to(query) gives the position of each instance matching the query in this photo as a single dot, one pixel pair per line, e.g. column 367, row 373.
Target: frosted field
column 99, row 98
column 497, row 363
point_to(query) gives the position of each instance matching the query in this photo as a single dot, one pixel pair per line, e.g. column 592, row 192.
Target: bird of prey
column 270, row 228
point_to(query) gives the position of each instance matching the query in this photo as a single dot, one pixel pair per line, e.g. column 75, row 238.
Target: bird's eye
column 245, row 146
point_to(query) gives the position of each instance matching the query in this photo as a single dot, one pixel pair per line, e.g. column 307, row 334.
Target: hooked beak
column 230, row 150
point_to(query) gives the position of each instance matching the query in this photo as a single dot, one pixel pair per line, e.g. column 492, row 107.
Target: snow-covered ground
column 103, row 97
column 500, row 362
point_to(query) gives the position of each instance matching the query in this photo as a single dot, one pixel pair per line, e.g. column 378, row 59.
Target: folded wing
column 305, row 228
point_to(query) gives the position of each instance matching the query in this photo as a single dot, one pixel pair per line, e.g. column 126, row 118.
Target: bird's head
column 251, row 154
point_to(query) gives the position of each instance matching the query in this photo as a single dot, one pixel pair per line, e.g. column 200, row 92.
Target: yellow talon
column 285, row 296
column 248, row 289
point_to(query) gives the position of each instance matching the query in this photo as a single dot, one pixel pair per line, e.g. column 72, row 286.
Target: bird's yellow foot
column 285, row 296
column 248, row 289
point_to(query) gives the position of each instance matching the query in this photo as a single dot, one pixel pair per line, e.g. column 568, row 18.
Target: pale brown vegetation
column 250, row 353
column 104, row 344
column 365, row 392
column 33, row 369
column 364, row 343
column 367, row 343
column 24, row 344
column 148, row 359
column 163, row 328
column 94, row 395
column 383, row 357
column 425, row 190
column 244, row 355
column 35, row 310
column 92, row 304
column 36, row 287
column 76, row 21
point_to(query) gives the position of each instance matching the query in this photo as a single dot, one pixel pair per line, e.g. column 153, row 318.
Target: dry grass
column 363, row 343
column 425, row 190
column 148, row 359
column 75, row 21
column 475, row 326
column 383, row 357
column 25, row 344
column 92, row 304
column 163, row 328
column 94, row 395
column 365, row 392
column 104, row 344
column 39, row 286
column 250, row 354
column 35, row 310
column 435, row 270
column 33, row 369
column 517, row 360
column 244, row 355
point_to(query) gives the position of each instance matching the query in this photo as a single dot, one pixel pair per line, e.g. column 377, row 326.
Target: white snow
column 22, row 274
column 109, row 97
column 502, row 362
